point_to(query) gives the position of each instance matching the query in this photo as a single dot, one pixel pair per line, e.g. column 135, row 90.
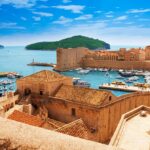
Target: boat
column 105, row 70
column 11, row 76
column 126, row 73
column 118, row 83
column 83, row 71
column 81, row 83
column 129, row 81
column 119, row 77
column 77, row 69
column 11, row 88
column 18, row 75
column 75, row 80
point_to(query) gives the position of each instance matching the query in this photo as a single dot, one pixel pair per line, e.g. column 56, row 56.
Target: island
column 72, row 42
column 1, row 46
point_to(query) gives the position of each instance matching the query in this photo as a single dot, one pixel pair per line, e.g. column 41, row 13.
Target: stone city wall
column 144, row 65
column 110, row 115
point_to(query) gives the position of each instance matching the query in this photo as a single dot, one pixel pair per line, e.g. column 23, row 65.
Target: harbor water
column 15, row 59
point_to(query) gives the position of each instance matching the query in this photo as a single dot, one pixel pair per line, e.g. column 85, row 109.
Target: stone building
column 134, row 58
column 43, row 83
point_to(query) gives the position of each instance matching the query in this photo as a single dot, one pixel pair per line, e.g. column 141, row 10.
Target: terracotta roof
column 26, row 118
column 50, row 124
column 45, row 75
column 76, row 128
column 82, row 95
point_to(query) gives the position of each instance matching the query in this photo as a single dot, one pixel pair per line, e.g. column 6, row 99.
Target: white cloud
column 109, row 12
column 20, row 3
column 109, row 16
column 129, row 35
column 23, row 18
column 43, row 6
column 43, row 14
column 63, row 20
column 36, row 18
column 138, row 10
column 121, row 18
column 84, row 17
column 98, row 11
column 10, row 25
column 66, row 1
column 73, row 8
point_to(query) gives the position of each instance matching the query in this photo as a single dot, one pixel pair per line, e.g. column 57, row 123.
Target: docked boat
column 83, row 71
column 18, row 75
column 118, row 83
column 11, row 76
column 81, row 83
column 126, row 73
column 119, row 77
column 77, row 69
column 105, row 70
column 11, row 88
column 75, row 80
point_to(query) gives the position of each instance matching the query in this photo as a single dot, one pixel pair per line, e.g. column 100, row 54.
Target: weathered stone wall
column 145, row 65
column 109, row 115
column 47, row 88
column 60, row 110
column 69, row 58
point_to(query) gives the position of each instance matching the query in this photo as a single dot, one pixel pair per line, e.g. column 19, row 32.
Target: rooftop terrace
column 133, row 131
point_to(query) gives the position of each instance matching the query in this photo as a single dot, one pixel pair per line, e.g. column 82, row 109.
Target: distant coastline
column 1, row 46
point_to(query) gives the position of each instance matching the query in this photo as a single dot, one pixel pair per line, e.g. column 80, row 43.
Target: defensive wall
column 73, row 58
column 144, row 65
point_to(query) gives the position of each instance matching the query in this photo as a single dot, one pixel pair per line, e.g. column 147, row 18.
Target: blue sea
column 15, row 59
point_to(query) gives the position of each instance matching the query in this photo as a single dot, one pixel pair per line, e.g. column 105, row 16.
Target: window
column 73, row 112
column 110, row 98
column 41, row 92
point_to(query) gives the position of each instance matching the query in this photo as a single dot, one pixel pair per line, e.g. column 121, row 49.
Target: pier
column 5, row 74
column 42, row 64
column 125, row 88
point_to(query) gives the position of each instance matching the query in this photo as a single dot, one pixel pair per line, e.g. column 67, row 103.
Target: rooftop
column 133, row 131
column 45, row 75
column 76, row 128
column 82, row 95
column 26, row 118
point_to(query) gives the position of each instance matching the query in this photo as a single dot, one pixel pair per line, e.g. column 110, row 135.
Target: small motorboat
column 11, row 76
column 83, row 71
column 11, row 88
column 105, row 70
column 81, row 83
column 126, row 73
column 119, row 77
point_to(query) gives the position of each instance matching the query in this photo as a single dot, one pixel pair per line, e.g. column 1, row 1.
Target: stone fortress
column 135, row 58
column 48, row 112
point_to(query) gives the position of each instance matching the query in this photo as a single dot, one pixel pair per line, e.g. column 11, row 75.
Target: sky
column 118, row 22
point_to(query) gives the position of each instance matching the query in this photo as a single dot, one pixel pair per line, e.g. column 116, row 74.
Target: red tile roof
column 76, row 128
column 26, row 118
